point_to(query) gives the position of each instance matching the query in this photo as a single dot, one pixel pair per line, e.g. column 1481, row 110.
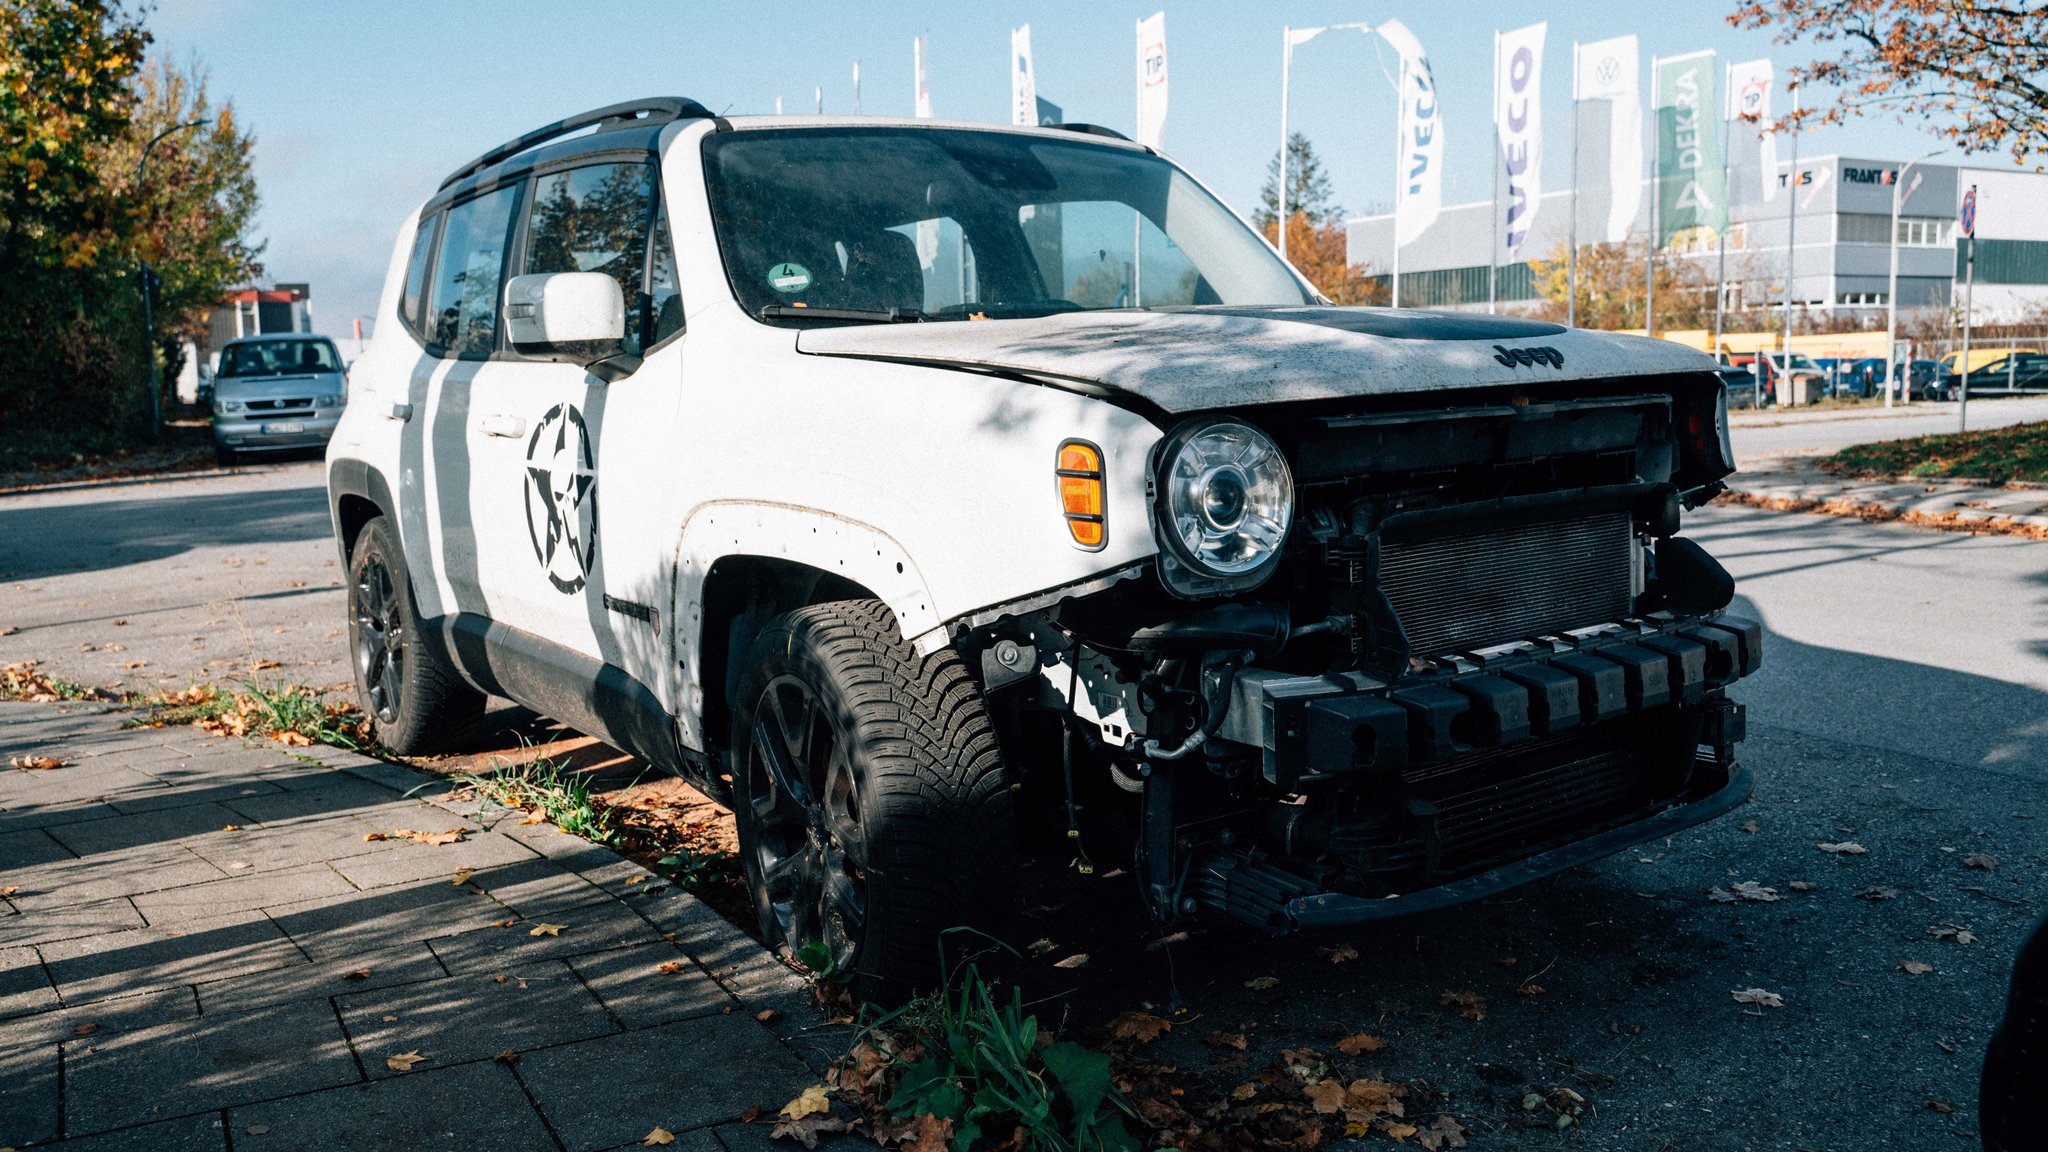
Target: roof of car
column 253, row 337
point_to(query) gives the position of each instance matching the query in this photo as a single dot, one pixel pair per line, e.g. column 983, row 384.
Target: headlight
column 331, row 400
column 227, row 405
column 1224, row 503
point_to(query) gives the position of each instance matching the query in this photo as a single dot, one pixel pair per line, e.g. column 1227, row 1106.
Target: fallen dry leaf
column 265, row 665
column 508, row 1057
column 1750, row 826
column 117, row 647
column 750, row 1113
column 810, row 1102
column 231, row 828
column 1801, row 885
column 1262, row 983
column 767, row 1015
column 1751, row 890
column 1327, row 1096
column 670, row 967
column 36, row 763
column 356, row 974
column 808, row 1129
column 1140, row 1026
column 10, row 890
column 1470, row 1005
column 1758, row 996
column 432, row 839
column 372, row 837
column 1077, row 960
column 292, row 739
column 404, row 1061
column 1339, row 954
column 632, row 880
column 503, row 923
column 1721, row 895
column 85, row 1029
column 934, row 1134
column 1845, row 848
column 1445, row 1133
column 1360, row 1044
column 1951, row 932
column 545, row 929
column 534, row 818
column 1981, row 860
column 1244, row 1091
column 1530, row 990
column 9, row 630
column 660, row 1135
column 1915, row 967
column 1232, row 1040
column 462, row 876
column 132, row 665
column 1876, row 893
column 1941, row 1106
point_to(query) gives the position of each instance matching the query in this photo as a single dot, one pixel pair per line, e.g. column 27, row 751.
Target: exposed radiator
column 1460, row 592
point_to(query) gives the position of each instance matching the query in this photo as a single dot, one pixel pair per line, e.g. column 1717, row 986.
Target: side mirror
column 577, row 317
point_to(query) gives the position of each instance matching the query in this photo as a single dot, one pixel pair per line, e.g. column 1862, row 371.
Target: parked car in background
column 2020, row 372
column 1742, row 387
column 275, row 393
column 1805, row 375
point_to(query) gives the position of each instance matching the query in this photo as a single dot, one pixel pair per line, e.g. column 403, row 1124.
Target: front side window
column 278, row 358
column 463, row 305
column 955, row 224
column 594, row 219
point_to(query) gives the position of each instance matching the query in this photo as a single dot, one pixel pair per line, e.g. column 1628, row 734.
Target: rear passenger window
column 595, row 219
column 463, row 306
column 416, row 272
column 665, row 303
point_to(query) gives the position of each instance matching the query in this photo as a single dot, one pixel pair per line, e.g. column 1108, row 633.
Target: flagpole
column 1286, row 64
column 1400, row 102
column 1656, row 190
column 1791, row 246
column 1493, row 227
column 1137, row 217
column 1969, row 305
column 1571, row 305
column 1727, row 215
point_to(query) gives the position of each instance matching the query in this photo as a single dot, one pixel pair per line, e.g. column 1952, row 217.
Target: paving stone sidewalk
column 202, row 947
column 1938, row 503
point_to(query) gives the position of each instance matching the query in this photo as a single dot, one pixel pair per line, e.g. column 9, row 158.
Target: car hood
column 1195, row 359
column 296, row 386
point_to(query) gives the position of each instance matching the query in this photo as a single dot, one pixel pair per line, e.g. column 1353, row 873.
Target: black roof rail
column 653, row 110
column 1092, row 130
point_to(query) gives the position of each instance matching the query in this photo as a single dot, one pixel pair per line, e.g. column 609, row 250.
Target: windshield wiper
column 860, row 315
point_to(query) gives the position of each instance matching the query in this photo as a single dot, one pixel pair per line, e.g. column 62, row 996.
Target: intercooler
column 1465, row 590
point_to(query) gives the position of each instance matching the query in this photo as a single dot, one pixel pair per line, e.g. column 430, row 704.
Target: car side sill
column 589, row 695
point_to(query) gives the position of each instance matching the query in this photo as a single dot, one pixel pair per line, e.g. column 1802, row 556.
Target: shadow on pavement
column 44, row 540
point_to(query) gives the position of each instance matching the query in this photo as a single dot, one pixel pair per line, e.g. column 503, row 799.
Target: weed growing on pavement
column 548, row 789
column 293, row 714
column 22, row 681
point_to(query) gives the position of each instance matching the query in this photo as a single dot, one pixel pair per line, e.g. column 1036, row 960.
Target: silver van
column 272, row 393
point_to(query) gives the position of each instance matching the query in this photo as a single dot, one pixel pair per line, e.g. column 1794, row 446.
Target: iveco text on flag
column 1419, row 177
column 1749, row 109
column 1023, row 83
column 1518, row 118
column 1691, row 184
column 1152, row 80
column 1608, row 70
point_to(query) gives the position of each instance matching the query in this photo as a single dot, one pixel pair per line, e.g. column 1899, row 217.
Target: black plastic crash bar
column 653, row 110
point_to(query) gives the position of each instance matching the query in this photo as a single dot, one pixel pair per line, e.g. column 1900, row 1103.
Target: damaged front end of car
column 1393, row 654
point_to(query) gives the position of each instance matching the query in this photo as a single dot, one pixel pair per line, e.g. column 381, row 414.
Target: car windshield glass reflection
column 278, row 358
column 952, row 224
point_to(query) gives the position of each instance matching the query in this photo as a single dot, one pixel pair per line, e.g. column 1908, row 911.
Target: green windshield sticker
column 789, row 279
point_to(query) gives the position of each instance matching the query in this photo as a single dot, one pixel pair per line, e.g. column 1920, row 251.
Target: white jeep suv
column 914, row 485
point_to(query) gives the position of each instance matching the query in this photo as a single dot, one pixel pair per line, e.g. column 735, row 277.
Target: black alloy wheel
column 417, row 702
column 378, row 631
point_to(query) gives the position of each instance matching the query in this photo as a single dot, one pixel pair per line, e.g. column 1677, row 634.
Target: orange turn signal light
column 1079, row 471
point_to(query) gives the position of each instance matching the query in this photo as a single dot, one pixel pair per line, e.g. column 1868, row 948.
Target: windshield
column 278, row 358
column 938, row 223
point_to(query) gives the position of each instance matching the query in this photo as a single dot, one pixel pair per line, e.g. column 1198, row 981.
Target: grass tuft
column 2017, row 452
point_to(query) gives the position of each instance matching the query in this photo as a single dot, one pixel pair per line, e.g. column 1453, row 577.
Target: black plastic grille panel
column 1471, row 590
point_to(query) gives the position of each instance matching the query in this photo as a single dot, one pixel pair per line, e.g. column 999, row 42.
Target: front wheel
column 417, row 703
column 872, row 806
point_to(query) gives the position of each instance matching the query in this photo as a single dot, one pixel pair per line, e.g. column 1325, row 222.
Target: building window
column 1923, row 232
column 1862, row 300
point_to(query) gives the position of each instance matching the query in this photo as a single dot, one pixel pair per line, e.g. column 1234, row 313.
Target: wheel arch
column 742, row 565
column 357, row 494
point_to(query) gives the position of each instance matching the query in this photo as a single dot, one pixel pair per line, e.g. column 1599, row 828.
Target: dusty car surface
column 917, row 486
column 276, row 393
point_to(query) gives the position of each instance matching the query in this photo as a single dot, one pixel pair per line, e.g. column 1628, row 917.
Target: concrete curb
column 1945, row 505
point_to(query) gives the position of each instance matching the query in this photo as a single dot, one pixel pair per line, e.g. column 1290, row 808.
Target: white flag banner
column 1419, row 179
column 1518, row 117
column 927, row 230
column 1152, row 80
column 1749, row 106
column 1023, row 83
column 1610, row 70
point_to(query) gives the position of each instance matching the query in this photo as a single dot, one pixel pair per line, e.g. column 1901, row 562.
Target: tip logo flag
column 1023, row 84
column 1518, row 118
column 1749, row 105
column 1419, row 187
column 924, row 89
column 1607, row 70
column 1152, row 80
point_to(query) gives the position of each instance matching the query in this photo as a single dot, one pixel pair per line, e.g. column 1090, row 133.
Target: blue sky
column 359, row 107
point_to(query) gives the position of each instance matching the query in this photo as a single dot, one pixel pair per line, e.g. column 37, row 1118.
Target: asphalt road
column 1760, row 436
column 1903, row 706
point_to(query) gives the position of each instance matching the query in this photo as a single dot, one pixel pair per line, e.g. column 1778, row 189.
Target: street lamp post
column 149, row 282
column 1891, row 298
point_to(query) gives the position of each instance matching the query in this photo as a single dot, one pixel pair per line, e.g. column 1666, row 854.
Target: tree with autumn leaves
column 1317, row 242
column 1972, row 72
column 79, row 100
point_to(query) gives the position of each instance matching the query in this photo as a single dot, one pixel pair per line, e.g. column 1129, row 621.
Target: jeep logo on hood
column 1542, row 354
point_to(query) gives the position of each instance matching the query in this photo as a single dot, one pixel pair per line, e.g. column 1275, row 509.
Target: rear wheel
column 416, row 701
column 872, row 806
column 225, row 456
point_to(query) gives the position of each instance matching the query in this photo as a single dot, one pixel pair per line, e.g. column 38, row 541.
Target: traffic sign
column 1969, row 213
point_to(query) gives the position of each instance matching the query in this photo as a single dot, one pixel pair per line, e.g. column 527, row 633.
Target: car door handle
column 501, row 425
column 400, row 412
